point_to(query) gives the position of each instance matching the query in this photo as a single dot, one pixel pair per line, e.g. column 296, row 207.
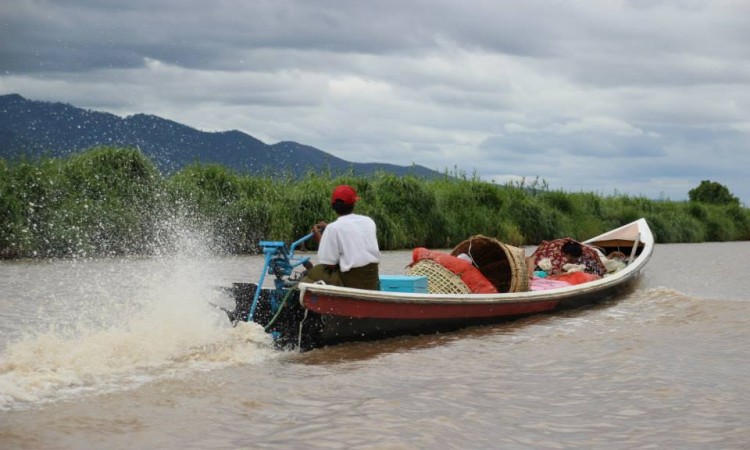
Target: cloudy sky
column 637, row 97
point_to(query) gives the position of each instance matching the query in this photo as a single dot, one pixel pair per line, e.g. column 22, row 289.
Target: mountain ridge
column 35, row 128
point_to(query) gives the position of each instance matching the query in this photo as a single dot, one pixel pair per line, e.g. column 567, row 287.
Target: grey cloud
column 80, row 35
column 596, row 145
column 650, row 166
column 537, row 88
column 76, row 35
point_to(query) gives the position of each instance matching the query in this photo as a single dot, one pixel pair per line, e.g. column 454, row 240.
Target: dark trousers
column 365, row 277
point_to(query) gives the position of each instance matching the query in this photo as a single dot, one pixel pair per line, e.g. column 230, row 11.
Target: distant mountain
column 36, row 128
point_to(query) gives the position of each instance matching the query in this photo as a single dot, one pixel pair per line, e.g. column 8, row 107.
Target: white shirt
column 349, row 241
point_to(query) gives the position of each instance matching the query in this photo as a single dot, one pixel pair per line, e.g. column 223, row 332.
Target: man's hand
column 318, row 229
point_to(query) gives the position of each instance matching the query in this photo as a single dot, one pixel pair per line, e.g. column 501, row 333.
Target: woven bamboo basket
column 502, row 264
column 439, row 279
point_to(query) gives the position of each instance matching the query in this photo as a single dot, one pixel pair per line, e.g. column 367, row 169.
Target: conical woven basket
column 439, row 279
column 502, row 264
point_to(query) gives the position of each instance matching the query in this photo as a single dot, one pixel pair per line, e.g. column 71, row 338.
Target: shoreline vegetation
column 114, row 202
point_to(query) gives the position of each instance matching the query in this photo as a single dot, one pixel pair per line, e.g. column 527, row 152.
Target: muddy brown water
column 127, row 353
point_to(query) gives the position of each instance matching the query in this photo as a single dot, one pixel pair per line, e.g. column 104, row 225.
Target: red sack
column 469, row 274
column 575, row 277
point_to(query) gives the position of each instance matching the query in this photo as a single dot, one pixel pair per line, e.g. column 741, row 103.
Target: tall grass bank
column 113, row 202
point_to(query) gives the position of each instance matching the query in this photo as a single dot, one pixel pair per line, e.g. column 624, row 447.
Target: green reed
column 113, row 201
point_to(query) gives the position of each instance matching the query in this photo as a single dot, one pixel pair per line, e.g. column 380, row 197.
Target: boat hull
column 341, row 319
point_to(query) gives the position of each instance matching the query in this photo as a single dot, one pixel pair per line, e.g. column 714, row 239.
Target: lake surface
column 128, row 353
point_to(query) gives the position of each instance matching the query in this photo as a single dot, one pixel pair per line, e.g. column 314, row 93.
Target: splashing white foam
column 171, row 330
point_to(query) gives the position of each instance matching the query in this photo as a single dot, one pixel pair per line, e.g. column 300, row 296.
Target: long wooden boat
column 313, row 315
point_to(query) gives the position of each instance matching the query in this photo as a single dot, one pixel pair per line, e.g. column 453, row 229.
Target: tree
column 712, row 192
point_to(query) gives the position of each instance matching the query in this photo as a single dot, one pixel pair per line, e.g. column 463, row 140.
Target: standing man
column 348, row 254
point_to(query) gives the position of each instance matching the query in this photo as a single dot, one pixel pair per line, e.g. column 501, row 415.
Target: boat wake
column 162, row 327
